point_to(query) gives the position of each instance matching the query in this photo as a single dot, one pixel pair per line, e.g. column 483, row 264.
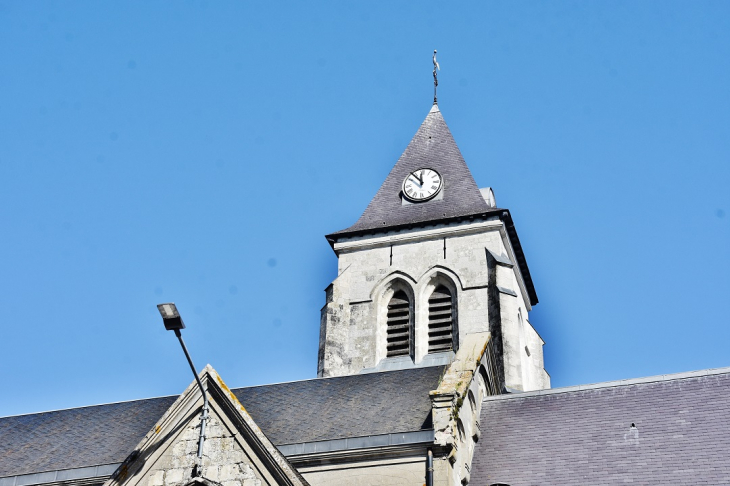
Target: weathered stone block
column 227, row 444
column 157, row 478
column 212, row 473
column 229, row 472
column 174, row 476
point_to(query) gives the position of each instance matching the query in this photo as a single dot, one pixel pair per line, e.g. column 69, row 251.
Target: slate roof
column 581, row 437
column 300, row 411
column 347, row 406
column 432, row 147
column 77, row 437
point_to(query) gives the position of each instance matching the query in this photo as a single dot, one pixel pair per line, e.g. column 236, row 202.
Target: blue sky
column 198, row 152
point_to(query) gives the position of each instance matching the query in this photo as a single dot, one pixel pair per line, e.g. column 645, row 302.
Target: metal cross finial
column 435, row 77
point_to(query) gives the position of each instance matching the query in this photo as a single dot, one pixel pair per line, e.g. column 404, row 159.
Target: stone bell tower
column 431, row 260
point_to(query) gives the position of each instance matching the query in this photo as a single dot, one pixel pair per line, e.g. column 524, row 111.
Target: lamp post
column 173, row 322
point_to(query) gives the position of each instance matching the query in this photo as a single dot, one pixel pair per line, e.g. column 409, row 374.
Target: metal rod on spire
column 435, row 77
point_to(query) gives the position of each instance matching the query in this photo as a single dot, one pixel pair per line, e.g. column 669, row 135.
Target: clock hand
column 418, row 178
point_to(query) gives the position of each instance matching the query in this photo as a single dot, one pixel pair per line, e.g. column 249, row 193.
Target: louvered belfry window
column 400, row 325
column 441, row 321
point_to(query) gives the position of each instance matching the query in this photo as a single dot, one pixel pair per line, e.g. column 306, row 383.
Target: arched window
column 442, row 335
column 400, row 325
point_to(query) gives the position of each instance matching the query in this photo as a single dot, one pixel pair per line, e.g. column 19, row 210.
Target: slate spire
column 432, row 147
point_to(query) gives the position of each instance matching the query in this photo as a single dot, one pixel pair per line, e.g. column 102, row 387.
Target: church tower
column 431, row 260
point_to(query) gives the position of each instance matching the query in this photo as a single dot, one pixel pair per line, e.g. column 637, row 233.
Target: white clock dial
column 422, row 185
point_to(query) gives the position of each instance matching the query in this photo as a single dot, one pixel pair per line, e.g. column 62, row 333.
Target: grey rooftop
column 432, row 147
column 321, row 409
column 346, row 406
column 584, row 435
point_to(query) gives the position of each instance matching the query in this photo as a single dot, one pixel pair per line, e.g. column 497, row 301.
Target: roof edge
column 103, row 471
column 87, row 406
column 358, row 442
column 613, row 384
column 506, row 217
column 320, row 378
column 67, row 476
column 348, row 233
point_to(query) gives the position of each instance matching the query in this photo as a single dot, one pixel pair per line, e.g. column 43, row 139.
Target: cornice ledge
column 420, row 234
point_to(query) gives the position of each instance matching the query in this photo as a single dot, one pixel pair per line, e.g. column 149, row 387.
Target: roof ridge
column 320, row 378
column 232, row 389
column 87, row 406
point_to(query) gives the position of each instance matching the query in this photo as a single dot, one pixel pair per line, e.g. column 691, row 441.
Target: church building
column 429, row 372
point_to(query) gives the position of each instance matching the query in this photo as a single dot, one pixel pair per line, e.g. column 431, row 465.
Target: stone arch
column 400, row 286
column 446, row 272
column 435, row 285
column 398, row 277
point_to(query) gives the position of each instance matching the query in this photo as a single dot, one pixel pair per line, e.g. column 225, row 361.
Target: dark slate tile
column 582, row 437
column 347, row 406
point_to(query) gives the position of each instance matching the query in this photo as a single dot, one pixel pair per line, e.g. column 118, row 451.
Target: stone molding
column 438, row 232
column 412, row 236
column 456, row 426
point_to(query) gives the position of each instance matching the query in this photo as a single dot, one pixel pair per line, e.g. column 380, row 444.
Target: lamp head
column 170, row 316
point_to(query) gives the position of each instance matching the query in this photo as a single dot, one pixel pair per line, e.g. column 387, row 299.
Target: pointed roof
column 432, row 147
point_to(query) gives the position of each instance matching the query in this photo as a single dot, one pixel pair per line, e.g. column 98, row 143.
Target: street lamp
column 171, row 317
column 173, row 322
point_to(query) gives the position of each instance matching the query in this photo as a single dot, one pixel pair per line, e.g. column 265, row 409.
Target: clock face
column 422, row 185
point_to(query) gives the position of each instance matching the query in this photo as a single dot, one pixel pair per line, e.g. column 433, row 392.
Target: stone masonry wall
column 353, row 319
column 223, row 459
